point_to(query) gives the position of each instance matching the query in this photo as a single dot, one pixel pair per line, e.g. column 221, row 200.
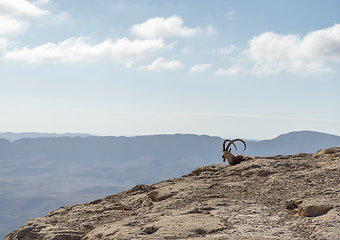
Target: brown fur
column 231, row 158
column 234, row 159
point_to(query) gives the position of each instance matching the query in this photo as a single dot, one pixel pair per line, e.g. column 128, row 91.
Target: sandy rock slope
column 277, row 197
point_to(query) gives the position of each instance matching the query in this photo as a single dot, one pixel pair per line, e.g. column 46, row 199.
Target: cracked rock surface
column 277, row 197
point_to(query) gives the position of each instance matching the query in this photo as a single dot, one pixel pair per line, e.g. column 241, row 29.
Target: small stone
column 160, row 195
column 292, row 204
column 150, row 229
column 200, row 231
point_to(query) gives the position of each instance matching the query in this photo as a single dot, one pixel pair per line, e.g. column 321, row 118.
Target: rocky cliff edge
column 277, row 197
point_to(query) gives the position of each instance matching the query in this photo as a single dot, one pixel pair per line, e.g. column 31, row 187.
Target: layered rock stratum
column 276, row 197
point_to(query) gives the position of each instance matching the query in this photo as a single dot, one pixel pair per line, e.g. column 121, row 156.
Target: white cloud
column 230, row 15
column 274, row 53
column 3, row 44
column 61, row 17
column 324, row 44
column 187, row 50
column 200, row 68
column 232, row 71
column 81, row 49
column 228, row 50
column 41, row 2
column 211, row 30
column 21, row 8
column 10, row 25
column 164, row 27
column 12, row 12
column 161, row 65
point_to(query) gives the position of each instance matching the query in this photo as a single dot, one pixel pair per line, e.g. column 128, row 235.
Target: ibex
column 232, row 159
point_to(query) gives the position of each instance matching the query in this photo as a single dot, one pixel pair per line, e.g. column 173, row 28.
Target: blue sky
column 251, row 69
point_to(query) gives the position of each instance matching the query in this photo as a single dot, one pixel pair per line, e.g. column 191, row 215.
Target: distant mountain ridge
column 16, row 136
column 292, row 143
column 40, row 174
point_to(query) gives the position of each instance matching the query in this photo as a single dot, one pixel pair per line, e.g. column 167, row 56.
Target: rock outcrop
column 277, row 197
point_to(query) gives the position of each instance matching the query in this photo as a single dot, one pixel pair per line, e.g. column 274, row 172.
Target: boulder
column 314, row 207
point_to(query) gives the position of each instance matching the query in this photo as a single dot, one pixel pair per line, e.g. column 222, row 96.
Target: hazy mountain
column 15, row 136
column 40, row 174
column 293, row 142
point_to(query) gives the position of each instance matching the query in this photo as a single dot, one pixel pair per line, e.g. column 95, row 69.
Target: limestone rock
column 150, row 229
column 278, row 197
column 160, row 195
column 199, row 170
column 324, row 152
column 313, row 208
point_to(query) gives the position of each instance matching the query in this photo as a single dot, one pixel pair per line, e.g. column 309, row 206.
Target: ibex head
column 227, row 150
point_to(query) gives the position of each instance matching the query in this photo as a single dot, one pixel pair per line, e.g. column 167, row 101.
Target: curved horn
column 227, row 140
column 235, row 140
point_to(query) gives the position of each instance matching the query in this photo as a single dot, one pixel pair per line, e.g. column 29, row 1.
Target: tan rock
column 312, row 208
column 160, row 195
column 325, row 152
column 150, row 229
column 257, row 199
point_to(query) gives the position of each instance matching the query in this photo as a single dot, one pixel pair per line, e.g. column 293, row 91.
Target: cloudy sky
column 251, row 69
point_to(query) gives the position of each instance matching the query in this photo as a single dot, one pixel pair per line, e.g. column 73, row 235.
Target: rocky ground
column 277, row 197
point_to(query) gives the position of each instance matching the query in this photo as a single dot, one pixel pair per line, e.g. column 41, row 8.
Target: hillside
column 292, row 143
column 40, row 174
column 277, row 197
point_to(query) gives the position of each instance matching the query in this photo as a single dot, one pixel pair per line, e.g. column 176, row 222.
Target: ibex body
column 231, row 158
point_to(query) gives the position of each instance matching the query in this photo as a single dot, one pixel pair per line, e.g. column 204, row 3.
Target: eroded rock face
column 278, row 197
